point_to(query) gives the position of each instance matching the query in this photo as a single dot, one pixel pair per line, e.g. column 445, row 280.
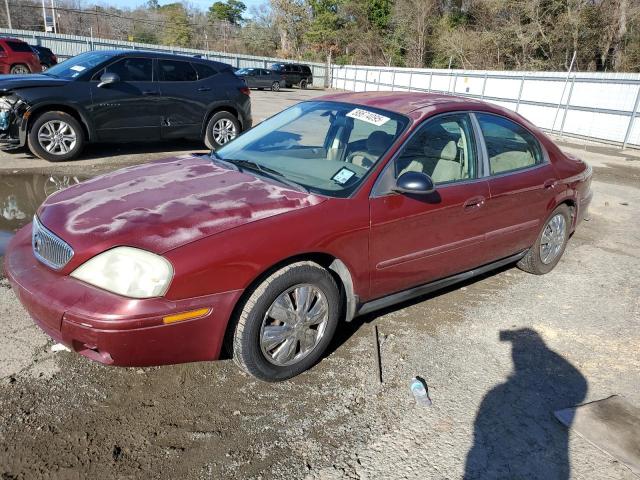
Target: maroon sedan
column 330, row 209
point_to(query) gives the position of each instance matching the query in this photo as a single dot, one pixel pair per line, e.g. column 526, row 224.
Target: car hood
column 15, row 82
column 162, row 205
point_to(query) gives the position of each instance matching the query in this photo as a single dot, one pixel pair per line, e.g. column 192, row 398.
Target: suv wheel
column 303, row 84
column 56, row 137
column 221, row 128
column 275, row 87
column 286, row 324
column 20, row 69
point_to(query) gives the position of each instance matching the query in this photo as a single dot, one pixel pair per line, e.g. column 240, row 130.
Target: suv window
column 509, row 146
column 204, row 71
column 306, row 69
column 133, row 69
column 444, row 148
column 19, row 46
column 177, row 71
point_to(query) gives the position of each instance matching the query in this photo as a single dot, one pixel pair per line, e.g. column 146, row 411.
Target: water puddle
column 20, row 197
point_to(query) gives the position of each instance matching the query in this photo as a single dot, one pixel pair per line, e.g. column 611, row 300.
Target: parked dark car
column 47, row 58
column 333, row 208
column 294, row 74
column 17, row 57
column 122, row 96
column 261, row 78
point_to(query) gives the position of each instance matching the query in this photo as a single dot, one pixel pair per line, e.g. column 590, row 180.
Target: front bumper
column 111, row 329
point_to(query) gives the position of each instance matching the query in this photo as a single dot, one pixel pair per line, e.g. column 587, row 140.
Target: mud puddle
column 20, row 197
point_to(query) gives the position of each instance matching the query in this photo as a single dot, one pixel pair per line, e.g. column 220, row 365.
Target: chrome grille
column 49, row 248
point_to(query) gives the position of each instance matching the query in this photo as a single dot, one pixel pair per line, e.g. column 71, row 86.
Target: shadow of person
column 515, row 433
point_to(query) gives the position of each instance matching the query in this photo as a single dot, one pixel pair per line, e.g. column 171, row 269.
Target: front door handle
column 474, row 202
column 551, row 183
column 150, row 92
column 204, row 89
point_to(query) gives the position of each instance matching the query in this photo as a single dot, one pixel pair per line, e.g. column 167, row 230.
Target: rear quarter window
column 177, row 71
column 19, row 46
column 204, row 71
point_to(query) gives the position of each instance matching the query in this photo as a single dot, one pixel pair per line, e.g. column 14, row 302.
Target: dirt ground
column 499, row 354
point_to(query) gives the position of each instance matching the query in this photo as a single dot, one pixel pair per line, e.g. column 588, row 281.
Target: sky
column 203, row 4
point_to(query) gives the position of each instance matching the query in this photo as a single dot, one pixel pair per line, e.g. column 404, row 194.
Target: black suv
column 294, row 74
column 121, row 96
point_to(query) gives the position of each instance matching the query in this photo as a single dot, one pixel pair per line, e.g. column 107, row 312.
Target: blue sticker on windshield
column 343, row 175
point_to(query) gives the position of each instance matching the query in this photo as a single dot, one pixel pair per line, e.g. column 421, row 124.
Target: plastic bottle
column 419, row 391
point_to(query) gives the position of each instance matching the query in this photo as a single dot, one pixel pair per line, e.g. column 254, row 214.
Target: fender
column 85, row 118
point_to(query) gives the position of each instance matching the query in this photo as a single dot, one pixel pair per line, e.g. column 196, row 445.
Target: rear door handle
column 204, row 89
column 551, row 183
column 474, row 202
column 150, row 92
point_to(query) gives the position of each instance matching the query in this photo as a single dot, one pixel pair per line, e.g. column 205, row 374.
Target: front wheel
column 20, row 69
column 275, row 87
column 222, row 127
column 56, row 137
column 286, row 324
column 545, row 254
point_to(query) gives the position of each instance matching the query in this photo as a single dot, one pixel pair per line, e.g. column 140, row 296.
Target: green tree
column 177, row 30
column 324, row 30
column 230, row 11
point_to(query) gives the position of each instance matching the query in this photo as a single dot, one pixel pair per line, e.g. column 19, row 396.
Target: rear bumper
column 111, row 329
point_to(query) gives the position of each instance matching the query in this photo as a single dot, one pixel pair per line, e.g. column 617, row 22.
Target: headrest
column 378, row 142
column 450, row 151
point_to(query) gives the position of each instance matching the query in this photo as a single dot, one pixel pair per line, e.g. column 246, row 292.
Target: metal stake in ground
column 376, row 347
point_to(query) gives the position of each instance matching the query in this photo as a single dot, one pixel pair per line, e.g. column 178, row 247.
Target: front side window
column 133, row 69
column 177, row 71
column 443, row 148
column 325, row 147
column 509, row 146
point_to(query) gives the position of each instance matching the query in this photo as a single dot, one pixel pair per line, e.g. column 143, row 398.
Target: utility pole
column 53, row 17
column 44, row 16
column 6, row 4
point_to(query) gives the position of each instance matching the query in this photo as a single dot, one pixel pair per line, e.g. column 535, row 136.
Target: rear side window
column 133, row 69
column 277, row 67
column 510, row 146
column 19, row 46
column 176, row 71
column 204, row 71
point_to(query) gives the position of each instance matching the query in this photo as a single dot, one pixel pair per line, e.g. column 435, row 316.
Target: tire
column 228, row 129
column 303, row 84
column 264, row 360
column 47, row 125
column 275, row 87
column 536, row 260
column 20, row 69
column 44, row 67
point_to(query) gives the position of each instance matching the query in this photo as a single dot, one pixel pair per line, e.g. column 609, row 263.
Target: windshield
column 325, row 147
column 74, row 66
column 244, row 71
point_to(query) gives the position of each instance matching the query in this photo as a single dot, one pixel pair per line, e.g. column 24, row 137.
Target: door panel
column 129, row 109
column 417, row 240
column 519, row 203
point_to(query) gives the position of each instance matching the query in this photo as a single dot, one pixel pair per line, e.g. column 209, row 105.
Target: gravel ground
column 499, row 354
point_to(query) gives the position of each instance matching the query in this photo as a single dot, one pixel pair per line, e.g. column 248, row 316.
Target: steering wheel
column 362, row 158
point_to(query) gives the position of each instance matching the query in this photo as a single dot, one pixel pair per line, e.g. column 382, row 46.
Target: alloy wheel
column 57, row 137
column 275, row 87
column 224, row 131
column 553, row 237
column 294, row 324
column 20, row 70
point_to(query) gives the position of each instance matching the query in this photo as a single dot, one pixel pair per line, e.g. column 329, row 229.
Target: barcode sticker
column 367, row 116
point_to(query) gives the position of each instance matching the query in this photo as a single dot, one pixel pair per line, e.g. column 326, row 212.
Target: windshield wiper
column 267, row 172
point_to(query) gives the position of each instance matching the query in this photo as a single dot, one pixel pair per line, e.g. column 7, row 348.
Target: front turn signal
column 190, row 315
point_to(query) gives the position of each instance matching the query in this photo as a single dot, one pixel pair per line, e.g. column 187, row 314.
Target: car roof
column 401, row 102
column 168, row 56
column 11, row 39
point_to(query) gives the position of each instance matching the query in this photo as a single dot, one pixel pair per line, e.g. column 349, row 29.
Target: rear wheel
column 275, row 87
column 20, row 69
column 303, row 84
column 56, row 137
column 221, row 128
column 545, row 254
column 286, row 324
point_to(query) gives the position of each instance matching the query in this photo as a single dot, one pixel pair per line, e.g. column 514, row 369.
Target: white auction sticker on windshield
column 367, row 116
column 78, row 68
column 343, row 175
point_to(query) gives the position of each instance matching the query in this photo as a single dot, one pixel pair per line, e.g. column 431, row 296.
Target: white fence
column 65, row 46
column 597, row 106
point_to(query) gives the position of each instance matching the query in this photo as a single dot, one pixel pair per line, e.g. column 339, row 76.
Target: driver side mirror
column 414, row 183
column 108, row 78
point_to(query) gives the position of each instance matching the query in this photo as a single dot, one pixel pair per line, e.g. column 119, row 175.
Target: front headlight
column 127, row 271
